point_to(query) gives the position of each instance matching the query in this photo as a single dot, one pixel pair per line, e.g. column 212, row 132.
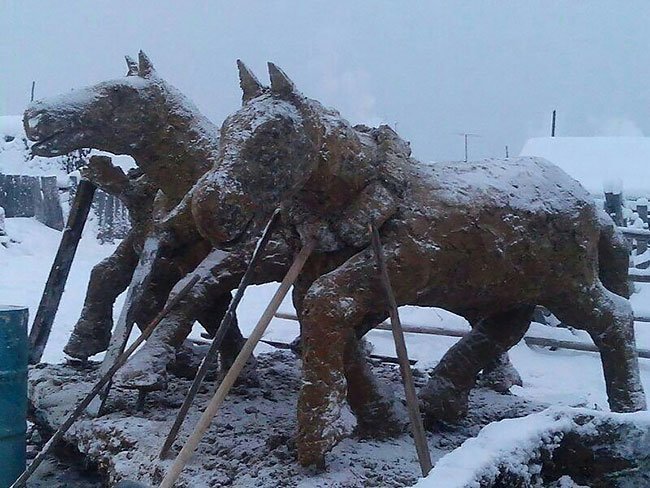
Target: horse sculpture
column 173, row 144
column 486, row 240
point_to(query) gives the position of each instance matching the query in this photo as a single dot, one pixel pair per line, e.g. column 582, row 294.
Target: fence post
column 52, row 211
column 642, row 209
column 614, row 206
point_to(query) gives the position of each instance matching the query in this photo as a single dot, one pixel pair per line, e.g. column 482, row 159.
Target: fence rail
column 528, row 339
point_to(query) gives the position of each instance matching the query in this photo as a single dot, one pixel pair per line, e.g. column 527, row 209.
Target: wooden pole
column 530, row 340
column 122, row 330
column 225, row 324
column 49, row 305
column 81, row 406
column 245, row 353
column 417, row 428
column 31, row 98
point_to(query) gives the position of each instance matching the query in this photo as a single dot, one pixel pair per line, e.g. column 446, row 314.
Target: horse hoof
column 500, row 379
column 440, row 400
column 82, row 346
column 147, row 369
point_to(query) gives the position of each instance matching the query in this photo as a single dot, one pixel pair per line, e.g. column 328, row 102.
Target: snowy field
column 558, row 377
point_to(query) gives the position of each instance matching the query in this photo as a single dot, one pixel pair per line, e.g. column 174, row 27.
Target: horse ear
column 280, row 82
column 250, row 85
column 146, row 68
column 131, row 65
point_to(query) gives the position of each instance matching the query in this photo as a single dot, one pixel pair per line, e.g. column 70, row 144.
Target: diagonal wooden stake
column 79, row 409
column 246, row 351
column 122, row 331
column 417, row 428
column 226, row 322
column 47, row 308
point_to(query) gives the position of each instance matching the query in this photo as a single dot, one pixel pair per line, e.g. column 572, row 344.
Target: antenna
column 467, row 135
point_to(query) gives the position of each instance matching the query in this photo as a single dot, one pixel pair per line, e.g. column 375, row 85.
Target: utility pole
column 33, row 86
column 553, row 125
column 467, row 135
column 507, row 152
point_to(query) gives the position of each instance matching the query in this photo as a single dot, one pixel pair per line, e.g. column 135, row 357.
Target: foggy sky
column 430, row 69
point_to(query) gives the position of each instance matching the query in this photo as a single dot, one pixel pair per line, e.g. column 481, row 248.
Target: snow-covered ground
column 558, row 377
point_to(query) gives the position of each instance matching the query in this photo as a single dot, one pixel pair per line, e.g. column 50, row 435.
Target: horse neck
column 177, row 153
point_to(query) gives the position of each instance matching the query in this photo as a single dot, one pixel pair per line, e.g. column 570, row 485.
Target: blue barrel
column 13, row 392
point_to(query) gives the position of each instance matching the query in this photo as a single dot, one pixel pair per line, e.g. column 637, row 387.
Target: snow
column 529, row 184
column 599, row 163
column 511, row 443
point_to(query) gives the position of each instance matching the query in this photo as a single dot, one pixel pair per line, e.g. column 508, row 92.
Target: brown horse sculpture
column 487, row 240
column 173, row 144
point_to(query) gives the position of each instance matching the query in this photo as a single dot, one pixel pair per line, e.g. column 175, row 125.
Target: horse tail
column 613, row 258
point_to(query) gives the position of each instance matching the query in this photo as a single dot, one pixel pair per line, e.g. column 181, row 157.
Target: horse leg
column 609, row 320
column 335, row 306
column 445, row 396
column 500, row 375
column 219, row 273
column 232, row 342
column 378, row 414
column 108, row 279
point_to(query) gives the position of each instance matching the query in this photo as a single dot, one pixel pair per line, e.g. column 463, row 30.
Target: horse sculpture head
column 280, row 144
column 140, row 115
column 111, row 115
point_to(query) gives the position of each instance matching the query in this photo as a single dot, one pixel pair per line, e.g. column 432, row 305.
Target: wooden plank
column 122, row 330
column 634, row 232
column 49, row 304
column 639, row 276
column 441, row 331
column 417, row 427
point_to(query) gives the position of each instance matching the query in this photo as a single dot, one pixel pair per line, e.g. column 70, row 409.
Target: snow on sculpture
column 487, row 240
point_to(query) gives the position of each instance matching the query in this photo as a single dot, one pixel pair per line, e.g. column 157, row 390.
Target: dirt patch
column 251, row 441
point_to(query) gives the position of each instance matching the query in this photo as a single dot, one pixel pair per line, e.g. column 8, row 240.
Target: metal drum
column 13, row 392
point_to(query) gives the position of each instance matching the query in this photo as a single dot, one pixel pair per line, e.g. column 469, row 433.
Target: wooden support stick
column 122, row 330
column 529, row 340
column 246, row 351
column 417, row 428
column 226, row 322
column 79, row 409
column 47, row 308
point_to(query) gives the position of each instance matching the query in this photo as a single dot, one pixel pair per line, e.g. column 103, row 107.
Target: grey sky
column 433, row 69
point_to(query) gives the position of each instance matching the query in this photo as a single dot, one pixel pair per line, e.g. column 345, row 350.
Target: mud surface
column 251, row 441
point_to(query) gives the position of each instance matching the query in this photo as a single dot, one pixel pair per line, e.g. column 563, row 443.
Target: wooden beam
column 51, row 298
column 245, row 353
column 417, row 427
column 639, row 275
column 530, row 340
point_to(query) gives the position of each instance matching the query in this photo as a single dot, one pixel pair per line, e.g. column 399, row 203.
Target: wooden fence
column 32, row 196
column 40, row 197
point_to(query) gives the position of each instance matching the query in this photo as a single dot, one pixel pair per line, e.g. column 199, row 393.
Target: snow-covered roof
column 16, row 158
column 599, row 163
